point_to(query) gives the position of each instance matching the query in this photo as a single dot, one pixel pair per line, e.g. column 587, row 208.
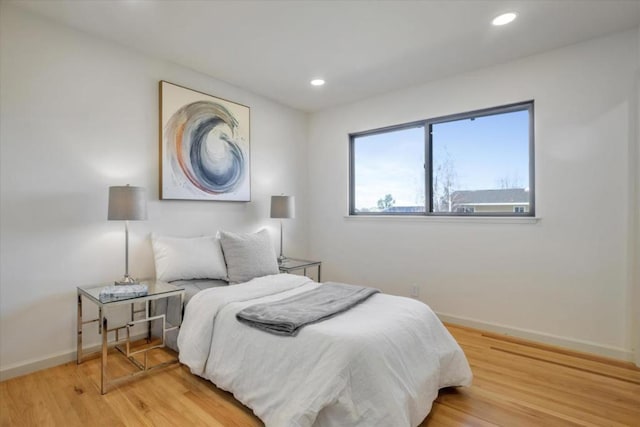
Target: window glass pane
column 481, row 165
column 389, row 171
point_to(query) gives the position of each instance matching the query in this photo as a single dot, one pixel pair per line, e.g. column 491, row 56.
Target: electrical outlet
column 415, row 291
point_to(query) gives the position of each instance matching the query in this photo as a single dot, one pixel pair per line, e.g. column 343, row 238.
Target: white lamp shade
column 283, row 207
column 127, row 203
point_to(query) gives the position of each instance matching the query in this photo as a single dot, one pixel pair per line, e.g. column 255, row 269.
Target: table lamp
column 126, row 204
column 282, row 207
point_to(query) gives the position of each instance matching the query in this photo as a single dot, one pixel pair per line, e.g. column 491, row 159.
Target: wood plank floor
column 516, row 383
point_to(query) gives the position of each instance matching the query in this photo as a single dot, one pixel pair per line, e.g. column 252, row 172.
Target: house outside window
column 500, row 200
column 464, row 209
column 471, row 164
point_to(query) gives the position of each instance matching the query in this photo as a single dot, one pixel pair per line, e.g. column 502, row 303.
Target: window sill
column 449, row 219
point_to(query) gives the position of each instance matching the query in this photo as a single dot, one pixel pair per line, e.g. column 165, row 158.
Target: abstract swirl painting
column 204, row 146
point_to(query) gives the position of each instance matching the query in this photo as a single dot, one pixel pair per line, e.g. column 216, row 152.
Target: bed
column 173, row 307
column 381, row 363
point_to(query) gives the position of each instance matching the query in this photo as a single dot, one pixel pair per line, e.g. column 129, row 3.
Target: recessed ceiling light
column 504, row 19
column 317, row 82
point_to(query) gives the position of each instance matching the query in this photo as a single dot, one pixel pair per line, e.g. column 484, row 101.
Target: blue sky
column 390, row 163
column 482, row 151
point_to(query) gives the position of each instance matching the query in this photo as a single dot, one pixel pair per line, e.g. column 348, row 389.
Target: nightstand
column 293, row 264
column 156, row 290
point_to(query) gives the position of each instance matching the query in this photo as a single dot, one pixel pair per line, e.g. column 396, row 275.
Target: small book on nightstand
column 115, row 292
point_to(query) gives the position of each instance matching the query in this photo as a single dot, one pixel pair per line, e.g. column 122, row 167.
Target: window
column 471, row 164
column 388, row 176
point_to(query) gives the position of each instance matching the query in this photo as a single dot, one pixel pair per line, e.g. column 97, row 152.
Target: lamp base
column 126, row 280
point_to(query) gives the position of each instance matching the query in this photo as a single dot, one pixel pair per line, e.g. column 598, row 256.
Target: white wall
column 563, row 279
column 77, row 115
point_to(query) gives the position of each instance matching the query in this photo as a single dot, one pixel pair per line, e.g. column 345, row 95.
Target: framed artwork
column 204, row 146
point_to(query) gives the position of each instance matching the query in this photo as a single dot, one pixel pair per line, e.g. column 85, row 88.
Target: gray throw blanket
column 287, row 316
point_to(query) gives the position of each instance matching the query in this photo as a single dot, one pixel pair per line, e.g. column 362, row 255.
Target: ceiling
column 361, row 48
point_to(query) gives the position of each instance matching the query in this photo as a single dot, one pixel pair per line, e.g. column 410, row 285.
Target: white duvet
column 379, row 364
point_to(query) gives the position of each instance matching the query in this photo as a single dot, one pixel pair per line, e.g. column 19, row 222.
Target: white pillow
column 248, row 255
column 180, row 258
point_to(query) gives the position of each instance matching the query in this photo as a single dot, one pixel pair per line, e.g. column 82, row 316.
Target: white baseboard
column 55, row 359
column 33, row 365
column 541, row 337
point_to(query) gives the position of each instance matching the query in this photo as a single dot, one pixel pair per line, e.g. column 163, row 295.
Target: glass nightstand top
column 295, row 264
column 155, row 289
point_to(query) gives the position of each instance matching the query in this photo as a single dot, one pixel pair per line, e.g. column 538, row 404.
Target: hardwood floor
column 516, row 383
column 520, row 383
